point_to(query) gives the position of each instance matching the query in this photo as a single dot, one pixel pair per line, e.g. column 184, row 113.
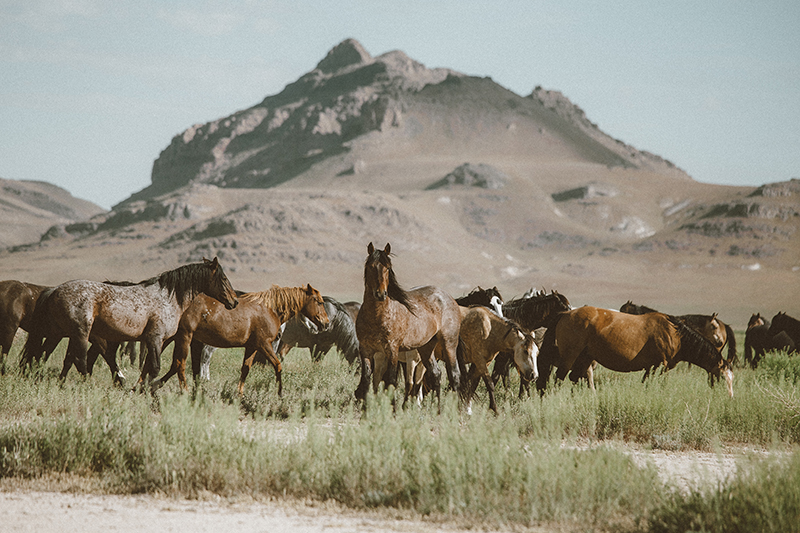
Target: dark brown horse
column 392, row 320
column 490, row 298
column 790, row 325
column 710, row 326
column 148, row 311
column 254, row 324
column 17, row 302
column 625, row 343
column 758, row 340
column 533, row 311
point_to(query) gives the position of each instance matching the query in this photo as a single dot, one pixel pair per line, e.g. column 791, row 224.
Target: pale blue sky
column 91, row 91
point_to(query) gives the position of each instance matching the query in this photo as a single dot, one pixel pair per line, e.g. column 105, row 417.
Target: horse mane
column 182, row 281
column 344, row 327
column 285, row 301
column 696, row 349
column 394, row 290
column 536, row 308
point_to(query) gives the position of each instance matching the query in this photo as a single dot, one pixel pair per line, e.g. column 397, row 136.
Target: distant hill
column 471, row 183
column 29, row 208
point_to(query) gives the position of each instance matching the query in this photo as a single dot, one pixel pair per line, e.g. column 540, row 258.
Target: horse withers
column 625, row 343
column 391, row 320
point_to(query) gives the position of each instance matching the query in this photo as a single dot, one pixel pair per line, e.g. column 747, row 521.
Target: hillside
column 471, row 183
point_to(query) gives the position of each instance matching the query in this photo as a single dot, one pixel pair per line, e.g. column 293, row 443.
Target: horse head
column 755, row 320
column 377, row 270
column 714, row 331
column 219, row 286
column 314, row 308
column 526, row 353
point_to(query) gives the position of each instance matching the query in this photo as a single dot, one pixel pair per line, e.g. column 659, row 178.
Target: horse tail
column 731, row 338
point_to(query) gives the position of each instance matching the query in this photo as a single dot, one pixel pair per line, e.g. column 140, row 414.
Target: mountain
column 471, row 183
column 29, row 208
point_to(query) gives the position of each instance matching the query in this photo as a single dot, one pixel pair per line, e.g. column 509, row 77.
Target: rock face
column 350, row 95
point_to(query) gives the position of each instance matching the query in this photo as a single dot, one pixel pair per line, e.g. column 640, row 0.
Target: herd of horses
column 196, row 307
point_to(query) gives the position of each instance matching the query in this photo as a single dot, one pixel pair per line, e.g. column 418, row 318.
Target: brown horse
column 483, row 336
column 254, row 324
column 782, row 322
column 148, row 311
column 17, row 302
column 392, row 320
column 709, row 326
column 758, row 340
column 625, row 343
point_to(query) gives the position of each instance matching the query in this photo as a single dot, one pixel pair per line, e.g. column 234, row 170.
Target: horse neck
column 696, row 349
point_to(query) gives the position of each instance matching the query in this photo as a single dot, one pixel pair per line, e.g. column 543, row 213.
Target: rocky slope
column 471, row 183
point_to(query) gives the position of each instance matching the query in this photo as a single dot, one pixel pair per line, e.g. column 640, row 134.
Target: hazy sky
column 91, row 91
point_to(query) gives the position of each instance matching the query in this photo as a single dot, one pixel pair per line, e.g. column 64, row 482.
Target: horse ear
column 309, row 289
column 214, row 263
column 713, row 316
column 388, row 249
column 370, row 248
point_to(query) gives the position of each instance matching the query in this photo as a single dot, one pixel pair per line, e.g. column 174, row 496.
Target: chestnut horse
column 392, row 320
column 254, row 324
column 709, row 326
column 148, row 311
column 625, row 343
column 483, row 335
column 758, row 340
column 17, row 302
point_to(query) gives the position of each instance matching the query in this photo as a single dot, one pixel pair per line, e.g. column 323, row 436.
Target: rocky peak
column 348, row 52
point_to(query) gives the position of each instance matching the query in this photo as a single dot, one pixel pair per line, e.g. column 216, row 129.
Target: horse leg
column 490, row 387
column 432, row 372
column 110, row 356
column 379, row 369
column 366, row 373
column 448, row 348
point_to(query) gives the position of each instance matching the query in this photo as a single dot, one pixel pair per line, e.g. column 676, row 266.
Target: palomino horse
column 483, row 335
column 758, row 339
column 625, row 343
column 709, row 326
column 392, row 320
column 254, row 324
column 788, row 324
column 533, row 311
column 148, row 311
column 17, row 302
column 341, row 333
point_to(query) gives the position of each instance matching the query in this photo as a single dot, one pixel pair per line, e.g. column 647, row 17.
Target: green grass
column 316, row 442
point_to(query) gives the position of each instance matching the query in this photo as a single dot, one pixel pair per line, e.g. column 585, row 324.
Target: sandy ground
column 45, row 512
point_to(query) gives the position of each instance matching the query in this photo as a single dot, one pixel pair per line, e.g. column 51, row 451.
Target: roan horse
column 483, row 335
column 625, row 343
column 253, row 324
column 148, row 311
column 758, row 340
column 340, row 333
column 391, row 320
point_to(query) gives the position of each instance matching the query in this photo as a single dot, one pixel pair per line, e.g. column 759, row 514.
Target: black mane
column 394, row 290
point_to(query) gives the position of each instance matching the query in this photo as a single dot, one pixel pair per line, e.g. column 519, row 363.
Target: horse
column 40, row 326
column 758, row 339
column 148, row 311
column 709, row 326
column 788, row 324
column 340, row 333
column 254, row 324
column 17, row 302
column 483, row 335
column 490, row 298
column 535, row 310
column 392, row 320
column 625, row 343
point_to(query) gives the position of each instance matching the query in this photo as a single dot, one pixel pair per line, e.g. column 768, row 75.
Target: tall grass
column 316, row 442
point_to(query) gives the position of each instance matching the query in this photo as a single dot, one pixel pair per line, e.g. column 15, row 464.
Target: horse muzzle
column 728, row 374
